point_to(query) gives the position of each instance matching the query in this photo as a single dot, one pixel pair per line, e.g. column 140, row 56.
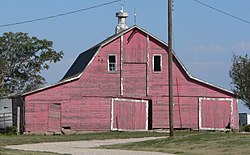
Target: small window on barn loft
column 157, row 63
column 112, row 63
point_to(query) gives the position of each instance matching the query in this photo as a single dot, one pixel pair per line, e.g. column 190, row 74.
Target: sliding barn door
column 215, row 113
column 129, row 114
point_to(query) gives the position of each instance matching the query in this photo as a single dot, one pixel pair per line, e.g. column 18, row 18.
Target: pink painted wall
column 86, row 102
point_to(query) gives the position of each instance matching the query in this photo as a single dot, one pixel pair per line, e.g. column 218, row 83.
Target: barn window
column 112, row 63
column 157, row 63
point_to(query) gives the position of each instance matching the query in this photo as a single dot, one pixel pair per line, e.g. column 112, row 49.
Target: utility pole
column 170, row 75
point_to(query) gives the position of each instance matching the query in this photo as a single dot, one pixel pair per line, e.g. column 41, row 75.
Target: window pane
column 157, row 63
column 112, row 63
column 111, row 67
column 111, row 59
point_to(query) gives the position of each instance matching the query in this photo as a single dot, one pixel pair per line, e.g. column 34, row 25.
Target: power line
column 59, row 15
column 223, row 12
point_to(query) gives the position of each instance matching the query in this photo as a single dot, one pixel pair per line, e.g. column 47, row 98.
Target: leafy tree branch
column 22, row 58
column 240, row 75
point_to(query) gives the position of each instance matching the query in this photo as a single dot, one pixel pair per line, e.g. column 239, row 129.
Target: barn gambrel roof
column 86, row 57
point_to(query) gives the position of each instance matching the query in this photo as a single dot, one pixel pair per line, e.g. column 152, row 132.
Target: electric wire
column 59, row 15
column 223, row 12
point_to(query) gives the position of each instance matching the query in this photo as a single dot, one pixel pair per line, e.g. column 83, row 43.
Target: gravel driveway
column 86, row 147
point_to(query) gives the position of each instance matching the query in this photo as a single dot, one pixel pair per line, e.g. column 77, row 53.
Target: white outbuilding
column 244, row 119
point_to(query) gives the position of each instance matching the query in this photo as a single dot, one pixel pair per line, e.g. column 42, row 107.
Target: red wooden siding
column 94, row 114
column 158, row 81
column 186, row 112
column 91, row 113
column 36, row 117
column 86, row 101
column 134, row 45
column 160, row 113
column 129, row 114
column 54, row 117
column 134, row 80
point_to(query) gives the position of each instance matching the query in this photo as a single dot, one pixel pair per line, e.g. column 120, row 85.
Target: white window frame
column 112, row 71
column 160, row 63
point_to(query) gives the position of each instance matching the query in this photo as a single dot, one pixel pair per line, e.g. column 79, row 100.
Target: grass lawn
column 28, row 139
column 195, row 143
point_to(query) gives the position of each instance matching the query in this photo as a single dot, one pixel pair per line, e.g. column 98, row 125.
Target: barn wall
column 88, row 113
column 134, row 65
column 235, row 114
column 85, row 102
column 134, row 47
column 158, row 81
column 96, row 80
column 185, row 112
column 186, row 93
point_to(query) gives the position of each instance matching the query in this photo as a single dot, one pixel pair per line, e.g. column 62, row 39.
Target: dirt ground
column 86, row 147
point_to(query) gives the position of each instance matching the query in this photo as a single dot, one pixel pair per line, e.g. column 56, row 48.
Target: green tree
column 22, row 58
column 240, row 75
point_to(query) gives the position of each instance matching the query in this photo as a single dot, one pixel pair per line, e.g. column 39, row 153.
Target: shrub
column 10, row 130
column 247, row 128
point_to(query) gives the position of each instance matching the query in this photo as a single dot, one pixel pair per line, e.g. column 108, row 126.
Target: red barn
column 122, row 84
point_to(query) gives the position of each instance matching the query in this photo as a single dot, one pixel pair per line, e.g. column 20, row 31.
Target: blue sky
column 204, row 39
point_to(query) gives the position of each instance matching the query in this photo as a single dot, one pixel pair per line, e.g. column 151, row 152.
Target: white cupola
column 121, row 15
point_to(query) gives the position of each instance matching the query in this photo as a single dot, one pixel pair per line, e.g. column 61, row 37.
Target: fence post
column 18, row 121
column 4, row 124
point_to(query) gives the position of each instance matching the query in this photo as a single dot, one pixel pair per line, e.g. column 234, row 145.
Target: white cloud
column 242, row 46
column 206, row 48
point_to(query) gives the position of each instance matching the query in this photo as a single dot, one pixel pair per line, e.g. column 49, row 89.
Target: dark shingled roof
column 80, row 63
column 83, row 60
